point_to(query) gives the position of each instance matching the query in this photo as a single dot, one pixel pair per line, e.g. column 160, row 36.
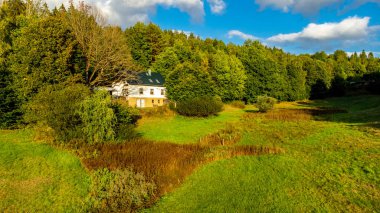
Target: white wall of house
column 147, row 91
column 134, row 91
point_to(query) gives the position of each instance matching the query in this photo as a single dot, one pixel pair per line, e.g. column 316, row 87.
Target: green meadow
column 329, row 162
column 35, row 177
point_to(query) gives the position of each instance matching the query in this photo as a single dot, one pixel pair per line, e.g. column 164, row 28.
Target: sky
column 297, row 26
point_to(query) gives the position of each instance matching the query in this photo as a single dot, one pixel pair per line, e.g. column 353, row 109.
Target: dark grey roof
column 148, row 79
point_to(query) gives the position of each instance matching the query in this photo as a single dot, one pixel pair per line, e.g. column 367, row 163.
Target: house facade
column 146, row 91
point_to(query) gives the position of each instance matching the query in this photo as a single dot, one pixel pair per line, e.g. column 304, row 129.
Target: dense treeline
column 66, row 51
column 197, row 67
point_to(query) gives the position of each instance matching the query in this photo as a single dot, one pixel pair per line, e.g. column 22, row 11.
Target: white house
column 147, row 91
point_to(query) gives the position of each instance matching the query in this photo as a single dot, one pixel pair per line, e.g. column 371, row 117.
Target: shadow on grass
column 361, row 111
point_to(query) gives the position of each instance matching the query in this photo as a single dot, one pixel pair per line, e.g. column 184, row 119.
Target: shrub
column 200, row 106
column 265, row 103
column 119, row 191
column 238, row 104
column 126, row 119
column 97, row 117
column 55, row 106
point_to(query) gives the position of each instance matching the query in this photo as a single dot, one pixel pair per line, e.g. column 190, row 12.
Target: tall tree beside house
column 166, row 62
column 104, row 48
column 42, row 54
column 146, row 43
column 189, row 80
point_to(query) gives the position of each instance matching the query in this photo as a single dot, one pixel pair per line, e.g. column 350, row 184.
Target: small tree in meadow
column 265, row 103
column 98, row 118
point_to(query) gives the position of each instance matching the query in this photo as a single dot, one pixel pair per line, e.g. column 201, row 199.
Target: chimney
column 149, row 72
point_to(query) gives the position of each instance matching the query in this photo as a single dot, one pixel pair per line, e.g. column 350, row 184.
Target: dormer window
column 150, row 80
column 157, row 81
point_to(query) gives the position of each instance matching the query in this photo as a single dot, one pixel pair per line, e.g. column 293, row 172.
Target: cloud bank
column 352, row 32
column 352, row 28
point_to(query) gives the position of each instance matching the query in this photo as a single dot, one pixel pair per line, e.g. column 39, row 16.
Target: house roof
column 148, row 79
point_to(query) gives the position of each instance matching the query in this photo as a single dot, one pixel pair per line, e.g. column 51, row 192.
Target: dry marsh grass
column 295, row 114
column 166, row 164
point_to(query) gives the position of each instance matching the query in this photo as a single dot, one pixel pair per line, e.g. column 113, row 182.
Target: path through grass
column 38, row 178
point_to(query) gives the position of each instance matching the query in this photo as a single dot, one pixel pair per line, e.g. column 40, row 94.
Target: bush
column 200, row 106
column 55, row 107
column 98, row 118
column 126, row 119
column 119, row 191
column 238, row 104
column 265, row 103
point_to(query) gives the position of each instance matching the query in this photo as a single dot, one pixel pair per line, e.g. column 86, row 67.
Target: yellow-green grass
column 181, row 130
column 36, row 177
column 329, row 165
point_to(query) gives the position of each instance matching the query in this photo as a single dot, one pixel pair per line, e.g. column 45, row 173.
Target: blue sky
column 297, row 26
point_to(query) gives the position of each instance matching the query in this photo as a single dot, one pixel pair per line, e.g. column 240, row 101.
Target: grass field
column 328, row 162
column 38, row 178
column 331, row 164
column 181, row 130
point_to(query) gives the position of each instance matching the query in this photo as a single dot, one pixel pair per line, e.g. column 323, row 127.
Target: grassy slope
column 180, row 129
column 36, row 177
column 328, row 166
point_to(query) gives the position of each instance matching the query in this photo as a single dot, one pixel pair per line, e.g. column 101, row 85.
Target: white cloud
column 350, row 29
column 128, row 12
column 305, row 7
column 239, row 34
column 217, row 6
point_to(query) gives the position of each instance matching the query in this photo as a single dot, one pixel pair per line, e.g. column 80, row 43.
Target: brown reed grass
column 166, row 164
column 295, row 114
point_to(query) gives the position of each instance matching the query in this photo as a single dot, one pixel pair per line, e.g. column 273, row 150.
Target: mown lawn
column 183, row 130
column 38, row 178
column 331, row 163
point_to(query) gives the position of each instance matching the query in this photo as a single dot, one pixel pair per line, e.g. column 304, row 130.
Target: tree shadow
column 361, row 111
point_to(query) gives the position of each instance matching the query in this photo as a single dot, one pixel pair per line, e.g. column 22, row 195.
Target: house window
column 162, row 92
column 158, row 100
column 152, row 91
column 152, row 101
column 141, row 91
